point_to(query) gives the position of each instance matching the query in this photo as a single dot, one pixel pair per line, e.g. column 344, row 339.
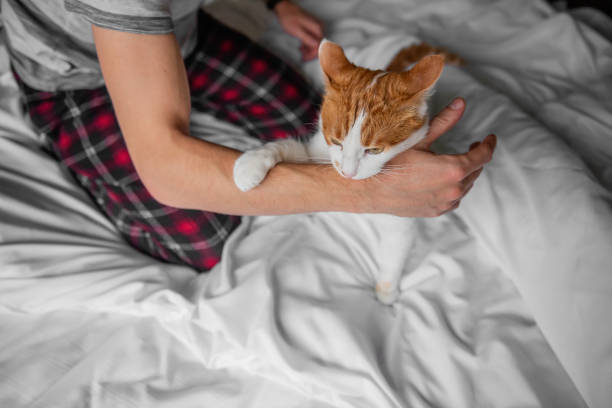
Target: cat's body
column 367, row 118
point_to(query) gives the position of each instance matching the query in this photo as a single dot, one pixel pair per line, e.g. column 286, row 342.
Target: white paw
column 386, row 293
column 251, row 168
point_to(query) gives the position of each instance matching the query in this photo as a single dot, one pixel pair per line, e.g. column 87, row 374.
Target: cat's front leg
column 251, row 168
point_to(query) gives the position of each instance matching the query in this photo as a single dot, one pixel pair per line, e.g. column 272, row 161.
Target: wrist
column 349, row 195
column 362, row 195
column 321, row 188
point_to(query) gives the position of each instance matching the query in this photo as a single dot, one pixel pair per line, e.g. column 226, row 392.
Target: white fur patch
column 252, row 166
column 415, row 138
column 375, row 79
column 352, row 149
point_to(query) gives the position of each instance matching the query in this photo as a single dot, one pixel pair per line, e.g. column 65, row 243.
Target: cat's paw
column 252, row 167
column 386, row 293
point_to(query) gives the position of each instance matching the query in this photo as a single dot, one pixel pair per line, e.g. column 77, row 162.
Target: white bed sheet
column 288, row 318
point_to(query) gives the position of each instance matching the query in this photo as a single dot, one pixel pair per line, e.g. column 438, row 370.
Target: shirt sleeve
column 134, row 16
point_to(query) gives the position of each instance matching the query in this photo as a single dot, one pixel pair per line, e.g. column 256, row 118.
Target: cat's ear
column 423, row 76
column 334, row 64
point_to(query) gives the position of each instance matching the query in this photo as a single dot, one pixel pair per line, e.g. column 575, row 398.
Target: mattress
column 505, row 302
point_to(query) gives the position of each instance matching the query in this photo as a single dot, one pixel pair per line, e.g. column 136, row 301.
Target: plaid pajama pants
column 231, row 78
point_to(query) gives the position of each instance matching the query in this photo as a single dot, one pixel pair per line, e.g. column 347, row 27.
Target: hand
column 420, row 183
column 298, row 23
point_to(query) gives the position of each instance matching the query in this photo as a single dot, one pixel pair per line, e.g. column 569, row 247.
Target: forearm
column 190, row 173
column 147, row 82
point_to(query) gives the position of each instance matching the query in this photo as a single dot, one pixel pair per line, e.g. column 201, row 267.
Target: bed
column 505, row 302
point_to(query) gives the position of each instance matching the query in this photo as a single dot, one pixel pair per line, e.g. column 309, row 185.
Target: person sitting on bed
column 110, row 84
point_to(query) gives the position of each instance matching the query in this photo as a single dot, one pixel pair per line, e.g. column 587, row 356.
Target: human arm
column 146, row 79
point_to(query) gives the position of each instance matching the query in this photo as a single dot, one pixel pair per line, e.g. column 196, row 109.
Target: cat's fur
column 367, row 117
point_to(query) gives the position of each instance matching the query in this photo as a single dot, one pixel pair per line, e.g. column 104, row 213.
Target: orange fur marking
column 409, row 55
column 391, row 101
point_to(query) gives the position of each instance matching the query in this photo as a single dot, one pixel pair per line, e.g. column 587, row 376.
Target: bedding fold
column 503, row 303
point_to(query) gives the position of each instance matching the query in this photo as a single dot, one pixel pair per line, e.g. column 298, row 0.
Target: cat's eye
column 336, row 142
column 374, row 150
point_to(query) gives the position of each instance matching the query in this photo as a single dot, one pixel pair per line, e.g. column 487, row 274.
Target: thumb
column 443, row 122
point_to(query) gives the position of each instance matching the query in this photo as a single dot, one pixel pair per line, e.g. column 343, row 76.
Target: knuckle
column 454, row 193
column 465, row 162
column 442, row 209
column 440, row 121
column 456, row 173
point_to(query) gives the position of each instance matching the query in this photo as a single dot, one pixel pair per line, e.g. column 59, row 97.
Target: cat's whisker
column 377, row 179
column 392, row 172
column 396, row 168
column 319, row 160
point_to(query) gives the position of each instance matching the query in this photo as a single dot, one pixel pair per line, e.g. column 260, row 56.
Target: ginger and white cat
column 367, row 117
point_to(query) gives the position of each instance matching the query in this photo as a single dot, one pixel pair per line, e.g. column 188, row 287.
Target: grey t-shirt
column 51, row 44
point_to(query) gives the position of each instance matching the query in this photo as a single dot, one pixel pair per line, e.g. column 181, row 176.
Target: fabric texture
column 51, row 43
column 231, row 78
column 137, row 16
column 288, row 318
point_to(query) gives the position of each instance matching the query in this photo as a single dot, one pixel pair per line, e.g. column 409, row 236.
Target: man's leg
column 84, row 135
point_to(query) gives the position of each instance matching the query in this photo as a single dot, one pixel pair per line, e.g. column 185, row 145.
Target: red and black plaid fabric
column 231, row 78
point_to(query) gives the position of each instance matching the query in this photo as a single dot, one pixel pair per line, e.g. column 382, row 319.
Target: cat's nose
column 348, row 173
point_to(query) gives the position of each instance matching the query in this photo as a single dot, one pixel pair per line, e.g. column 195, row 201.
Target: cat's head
column 367, row 117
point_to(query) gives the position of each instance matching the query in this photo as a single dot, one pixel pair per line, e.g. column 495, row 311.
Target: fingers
column 313, row 26
column 455, row 194
column 454, row 205
column 443, row 122
column 479, row 154
column 310, row 41
column 469, row 180
column 465, row 168
column 307, row 53
column 300, row 24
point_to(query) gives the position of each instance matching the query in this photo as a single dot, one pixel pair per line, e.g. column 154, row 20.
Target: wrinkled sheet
column 505, row 302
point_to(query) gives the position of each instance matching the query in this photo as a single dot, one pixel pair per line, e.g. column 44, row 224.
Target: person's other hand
column 298, row 23
column 420, row 183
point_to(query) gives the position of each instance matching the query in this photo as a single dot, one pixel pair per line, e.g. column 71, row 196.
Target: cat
column 367, row 117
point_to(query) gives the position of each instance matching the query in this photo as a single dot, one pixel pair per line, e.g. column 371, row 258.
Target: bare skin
column 303, row 26
column 146, row 78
